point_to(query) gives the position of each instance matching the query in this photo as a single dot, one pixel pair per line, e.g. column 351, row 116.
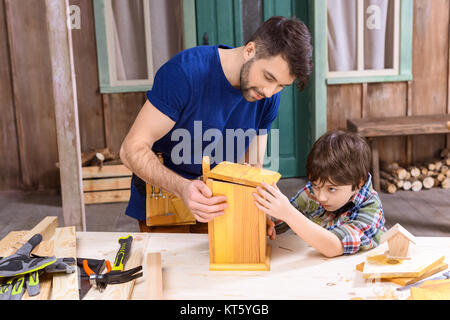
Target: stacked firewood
column 436, row 173
column 99, row 157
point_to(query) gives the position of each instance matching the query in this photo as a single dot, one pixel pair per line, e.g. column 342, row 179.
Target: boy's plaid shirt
column 360, row 223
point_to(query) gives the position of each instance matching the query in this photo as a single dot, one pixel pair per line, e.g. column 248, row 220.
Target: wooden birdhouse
column 237, row 239
column 398, row 239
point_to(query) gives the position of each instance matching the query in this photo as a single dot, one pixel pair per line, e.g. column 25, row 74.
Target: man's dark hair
column 291, row 38
column 339, row 157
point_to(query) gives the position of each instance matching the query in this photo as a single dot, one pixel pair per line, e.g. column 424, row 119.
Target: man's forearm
column 143, row 162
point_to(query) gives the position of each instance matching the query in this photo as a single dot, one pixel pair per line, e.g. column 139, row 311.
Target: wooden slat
column 90, row 105
column 106, row 184
column 9, row 162
column 65, row 286
column 243, row 174
column 66, row 113
column 46, row 228
column 106, row 171
column 32, row 81
column 107, row 196
column 430, row 65
column 153, row 276
column 397, row 126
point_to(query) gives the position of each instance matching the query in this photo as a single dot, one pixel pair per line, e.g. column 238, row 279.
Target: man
column 212, row 88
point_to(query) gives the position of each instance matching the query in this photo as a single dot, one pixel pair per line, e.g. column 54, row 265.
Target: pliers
column 114, row 274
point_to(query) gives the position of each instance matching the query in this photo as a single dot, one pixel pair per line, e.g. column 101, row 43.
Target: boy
column 337, row 212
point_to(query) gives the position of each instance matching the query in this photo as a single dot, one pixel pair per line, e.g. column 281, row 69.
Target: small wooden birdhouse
column 237, row 239
column 398, row 239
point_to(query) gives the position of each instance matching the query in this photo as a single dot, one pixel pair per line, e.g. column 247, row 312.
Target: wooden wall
column 28, row 148
column 427, row 94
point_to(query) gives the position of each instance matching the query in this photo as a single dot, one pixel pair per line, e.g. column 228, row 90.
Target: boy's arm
column 363, row 229
column 275, row 204
column 316, row 236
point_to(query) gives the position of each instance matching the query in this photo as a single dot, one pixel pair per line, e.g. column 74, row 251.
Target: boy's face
column 332, row 196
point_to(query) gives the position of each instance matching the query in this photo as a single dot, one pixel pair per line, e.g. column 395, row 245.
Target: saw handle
column 122, row 254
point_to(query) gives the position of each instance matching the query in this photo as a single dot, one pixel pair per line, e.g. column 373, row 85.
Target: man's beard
column 244, row 87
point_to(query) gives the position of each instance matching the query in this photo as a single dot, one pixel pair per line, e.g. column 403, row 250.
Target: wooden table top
column 298, row 271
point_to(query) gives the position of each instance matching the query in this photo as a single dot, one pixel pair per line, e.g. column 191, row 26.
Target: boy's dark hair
column 291, row 38
column 339, row 157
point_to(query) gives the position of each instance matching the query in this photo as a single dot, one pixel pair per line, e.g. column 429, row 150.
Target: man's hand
column 199, row 200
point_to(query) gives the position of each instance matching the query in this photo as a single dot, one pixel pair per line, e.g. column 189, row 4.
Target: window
column 124, row 45
column 134, row 38
column 368, row 41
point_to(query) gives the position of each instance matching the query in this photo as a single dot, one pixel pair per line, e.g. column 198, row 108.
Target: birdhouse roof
column 243, row 174
column 396, row 230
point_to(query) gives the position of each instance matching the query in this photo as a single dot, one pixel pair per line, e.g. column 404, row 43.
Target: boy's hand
column 271, row 201
column 271, row 229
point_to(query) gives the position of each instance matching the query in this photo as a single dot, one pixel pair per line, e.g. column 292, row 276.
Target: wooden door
column 231, row 22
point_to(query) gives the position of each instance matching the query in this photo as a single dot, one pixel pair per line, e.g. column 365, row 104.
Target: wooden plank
column 430, row 58
column 398, row 126
column 12, row 242
column 45, row 282
column 106, row 184
column 153, row 276
column 380, row 95
column 106, row 172
column 9, row 161
column 65, row 286
column 122, row 291
column 31, row 74
column 107, row 196
column 90, row 104
column 66, row 112
column 46, row 228
column 377, row 266
column 243, row 174
column 343, row 102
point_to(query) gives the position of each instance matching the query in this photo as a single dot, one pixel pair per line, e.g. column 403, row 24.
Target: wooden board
column 237, row 238
column 9, row 162
column 377, row 266
column 404, row 281
column 106, row 171
column 65, row 286
column 107, row 184
column 243, row 174
column 17, row 239
column 107, row 196
column 432, row 290
column 153, row 276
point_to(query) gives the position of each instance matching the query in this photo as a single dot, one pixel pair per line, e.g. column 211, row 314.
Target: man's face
column 262, row 78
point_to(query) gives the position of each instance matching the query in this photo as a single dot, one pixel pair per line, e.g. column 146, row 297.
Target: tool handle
column 86, row 268
column 122, row 255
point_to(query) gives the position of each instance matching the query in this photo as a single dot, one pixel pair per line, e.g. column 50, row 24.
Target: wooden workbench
column 298, row 271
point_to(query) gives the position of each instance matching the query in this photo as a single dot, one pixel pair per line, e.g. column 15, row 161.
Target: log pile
column 434, row 174
column 98, row 157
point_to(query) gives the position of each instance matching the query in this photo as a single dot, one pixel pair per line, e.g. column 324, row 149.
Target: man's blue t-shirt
column 211, row 117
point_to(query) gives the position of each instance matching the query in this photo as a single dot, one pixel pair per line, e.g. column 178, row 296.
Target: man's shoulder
column 193, row 56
